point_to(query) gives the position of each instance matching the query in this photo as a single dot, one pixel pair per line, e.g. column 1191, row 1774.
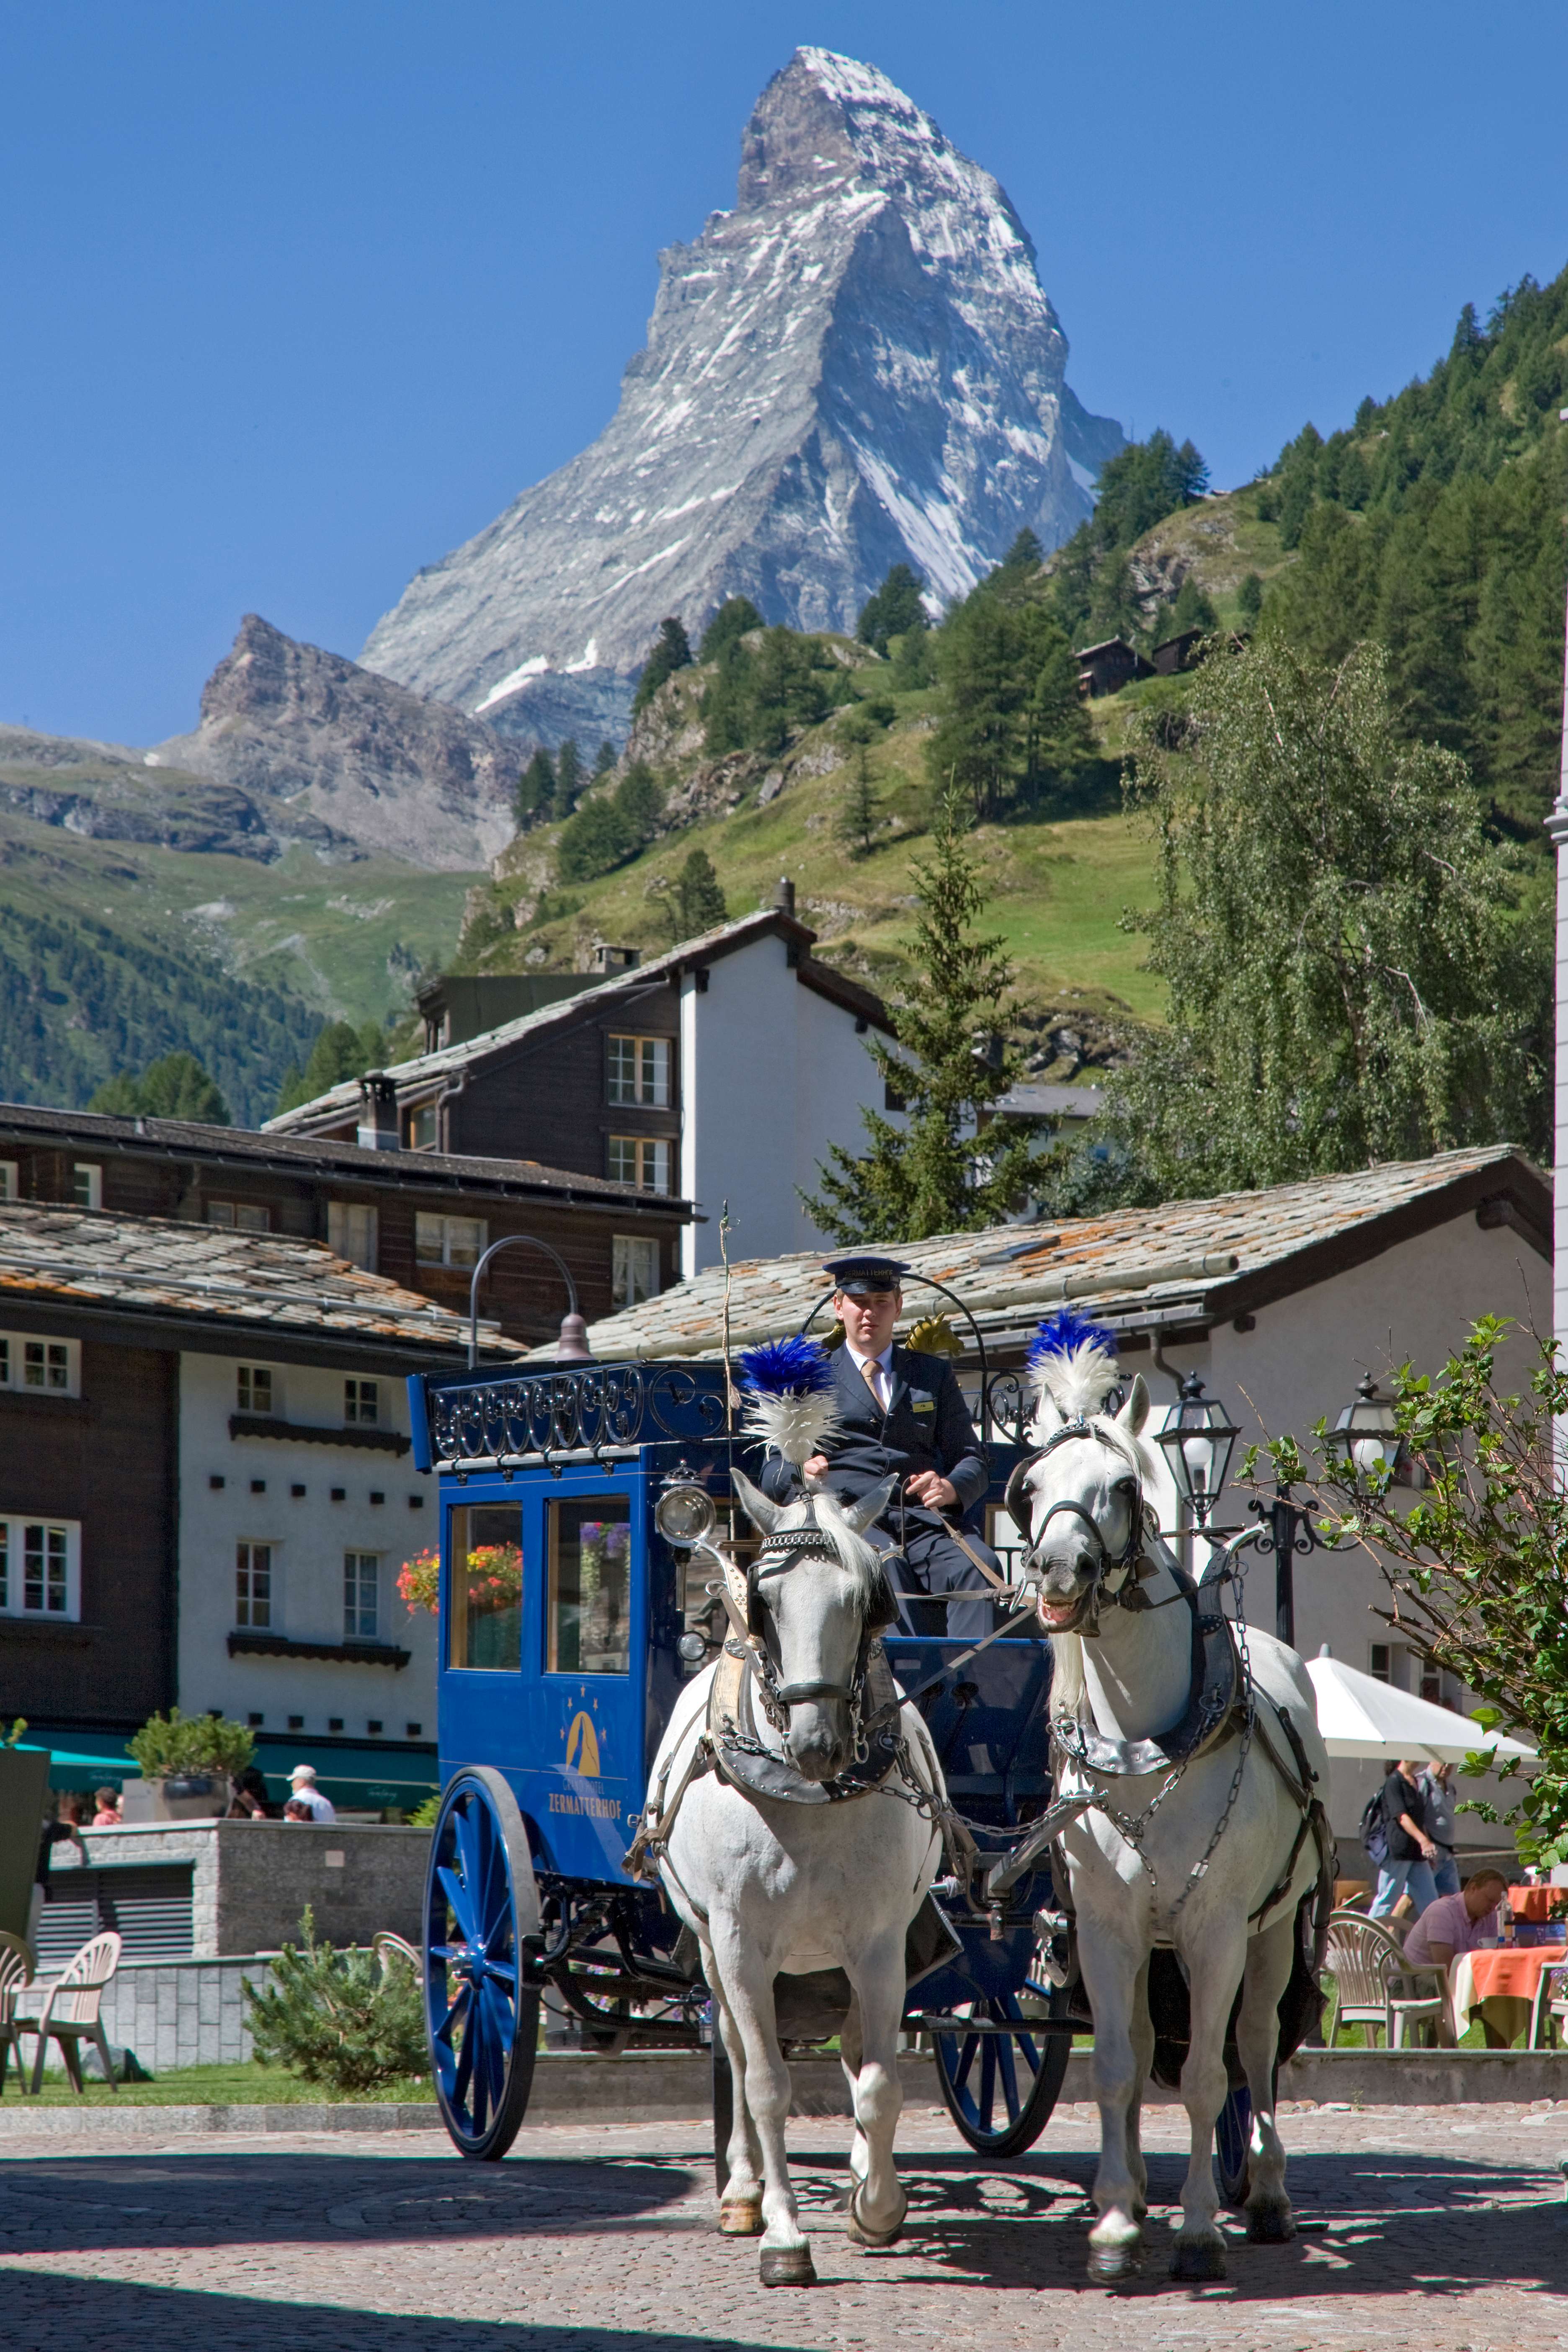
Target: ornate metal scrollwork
column 698, row 1411
column 560, row 1413
column 1008, row 1398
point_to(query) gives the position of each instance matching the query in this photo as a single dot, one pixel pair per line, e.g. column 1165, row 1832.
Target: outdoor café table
column 1533, row 1903
column 1500, row 1984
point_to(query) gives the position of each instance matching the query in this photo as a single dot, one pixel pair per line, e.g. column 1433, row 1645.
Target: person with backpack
column 1407, row 1864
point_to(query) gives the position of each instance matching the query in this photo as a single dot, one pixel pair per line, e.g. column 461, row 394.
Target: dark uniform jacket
column 926, row 1427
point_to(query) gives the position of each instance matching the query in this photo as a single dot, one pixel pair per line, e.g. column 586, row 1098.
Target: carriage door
column 590, row 1711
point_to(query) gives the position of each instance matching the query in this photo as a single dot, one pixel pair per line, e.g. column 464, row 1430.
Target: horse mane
column 860, row 1559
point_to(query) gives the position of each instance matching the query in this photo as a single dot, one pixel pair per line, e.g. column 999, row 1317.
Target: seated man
column 902, row 1414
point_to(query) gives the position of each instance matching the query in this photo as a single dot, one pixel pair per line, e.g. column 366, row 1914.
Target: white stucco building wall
column 307, row 1536
column 772, row 1073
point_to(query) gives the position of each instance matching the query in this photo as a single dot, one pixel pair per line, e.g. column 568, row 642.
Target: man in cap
column 302, row 1781
column 901, row 1414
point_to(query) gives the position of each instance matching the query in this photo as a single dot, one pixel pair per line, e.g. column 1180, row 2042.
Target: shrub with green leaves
column 190, row 1743
column 332, row 2017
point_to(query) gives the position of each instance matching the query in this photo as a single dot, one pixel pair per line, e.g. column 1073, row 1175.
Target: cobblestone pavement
column 1440, row 2228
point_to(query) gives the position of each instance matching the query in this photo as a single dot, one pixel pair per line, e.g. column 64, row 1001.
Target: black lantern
column 1199, row 1440
column 1367, row 1434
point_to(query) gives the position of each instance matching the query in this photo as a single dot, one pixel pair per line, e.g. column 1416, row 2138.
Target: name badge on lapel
column 922, row 1405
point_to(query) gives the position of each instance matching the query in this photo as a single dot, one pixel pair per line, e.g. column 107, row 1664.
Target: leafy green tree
column 639, row 801
column 953, row 1165
column 894, row 609
column 1250, row 600
column 594, row 840
column 340, row 1052
column 536, row 791
column 729, row 623
column 1351, row 976
column 855, row 825
column 670, row 652
column 569, row 781
column 174, row 1088
column 1477, row 1565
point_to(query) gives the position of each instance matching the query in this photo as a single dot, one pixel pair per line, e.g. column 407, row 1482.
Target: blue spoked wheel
column 1000, row 2087
column 483, row 2021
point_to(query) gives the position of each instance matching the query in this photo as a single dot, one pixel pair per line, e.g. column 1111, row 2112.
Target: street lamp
column 1368, row 1433
column 572, row 1347
column 1199, row 1439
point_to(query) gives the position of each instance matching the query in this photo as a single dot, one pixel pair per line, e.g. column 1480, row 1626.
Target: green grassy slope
column 1059, row 884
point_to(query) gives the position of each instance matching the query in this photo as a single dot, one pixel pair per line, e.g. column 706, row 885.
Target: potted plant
column 188, row 1763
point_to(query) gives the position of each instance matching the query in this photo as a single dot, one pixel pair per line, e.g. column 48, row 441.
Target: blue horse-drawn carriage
column 570, row 1613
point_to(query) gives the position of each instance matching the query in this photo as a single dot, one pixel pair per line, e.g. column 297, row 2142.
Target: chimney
column 378, row 1113
column 609, row 958
column 784, row 896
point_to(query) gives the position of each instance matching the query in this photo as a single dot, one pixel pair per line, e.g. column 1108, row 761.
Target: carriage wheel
column 483, row 2021
column 1000, row 2088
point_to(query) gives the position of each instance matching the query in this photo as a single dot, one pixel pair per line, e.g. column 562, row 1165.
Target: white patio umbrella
column 1359, row 1716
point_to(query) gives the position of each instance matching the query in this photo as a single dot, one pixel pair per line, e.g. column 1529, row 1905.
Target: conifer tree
column 857, row 819
column 670, row 652
column 536, row 791
column 731, row 623
column 703, row 907
column 177, row 1086
column 894, row 609
column 946, row 1170
column 569, row 780
column 604, row 762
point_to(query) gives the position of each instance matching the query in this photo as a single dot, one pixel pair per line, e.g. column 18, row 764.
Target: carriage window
column 487, row 1589
column 590, row 1586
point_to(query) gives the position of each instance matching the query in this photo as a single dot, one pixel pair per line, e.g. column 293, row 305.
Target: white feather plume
column 1078, row 1380
column 797, row 1425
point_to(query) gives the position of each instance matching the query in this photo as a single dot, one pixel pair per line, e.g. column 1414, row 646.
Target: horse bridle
column 791, row 1547
column 1017, row 1506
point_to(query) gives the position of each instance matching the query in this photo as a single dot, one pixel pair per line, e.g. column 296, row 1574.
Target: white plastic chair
column 389, row 1949
column 16, row 1970
column 1376, row 1987
column 70, row 2011
column 1550, row 2006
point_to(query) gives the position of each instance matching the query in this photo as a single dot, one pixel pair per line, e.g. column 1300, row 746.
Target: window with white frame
column 40, row 1567
column 361, row 1594
column 253, row 1388
column 253, row 1585
column 240, row 1216
column 362, row 1403
column 33, row 1366
column 87, row 1184
column 635, row 1269
column 10, row 1180
column 640, row 1160
column 639, row 1071
column 448, row 1241
column 352, row 1232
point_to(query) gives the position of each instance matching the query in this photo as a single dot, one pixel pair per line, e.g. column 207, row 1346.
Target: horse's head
column 815, row 1597
column 1079, row 1501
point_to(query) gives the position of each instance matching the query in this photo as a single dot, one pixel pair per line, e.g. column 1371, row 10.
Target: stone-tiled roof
column 163, row 1269
column 1185, row 1263
column 318, row 1156
column 448, row 1060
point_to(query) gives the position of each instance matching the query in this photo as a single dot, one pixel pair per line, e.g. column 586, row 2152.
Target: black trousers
column 931, row 1561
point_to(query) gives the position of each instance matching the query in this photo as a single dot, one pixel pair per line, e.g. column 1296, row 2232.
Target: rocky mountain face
column 857, row 366
column 300, row 744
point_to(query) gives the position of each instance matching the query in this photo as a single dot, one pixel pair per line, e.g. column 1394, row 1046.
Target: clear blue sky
column 297, row 294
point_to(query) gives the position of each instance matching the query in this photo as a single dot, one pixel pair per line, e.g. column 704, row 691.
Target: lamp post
column 1285, row 1530
column 574, row 1344
column 1199, row 1437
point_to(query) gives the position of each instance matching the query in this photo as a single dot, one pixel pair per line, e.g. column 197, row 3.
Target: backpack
column 1374, row 1829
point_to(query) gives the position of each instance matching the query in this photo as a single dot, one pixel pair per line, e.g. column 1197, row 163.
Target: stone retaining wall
column 252, row 1880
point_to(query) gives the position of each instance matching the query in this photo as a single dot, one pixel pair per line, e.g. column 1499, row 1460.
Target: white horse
column 772, row 1888
column 1208, row 1858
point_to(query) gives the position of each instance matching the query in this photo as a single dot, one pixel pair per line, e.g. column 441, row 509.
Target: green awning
column 361, row 1776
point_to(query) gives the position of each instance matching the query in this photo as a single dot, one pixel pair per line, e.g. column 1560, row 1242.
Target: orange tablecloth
column 1532, row 1901
column 1474, row 1976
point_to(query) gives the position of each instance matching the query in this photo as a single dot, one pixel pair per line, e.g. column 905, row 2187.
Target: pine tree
column 670, row 652
column 569, row 781
column 536, row 791
column 604, row 762
column 593, row 840
column 946, row 1170
column 639, row 800
column 729, row 623
column 1250, row 600
column 177, row 1086
column 856, row 822
column 893, row 611
column 701, row 899
column 334, row 2016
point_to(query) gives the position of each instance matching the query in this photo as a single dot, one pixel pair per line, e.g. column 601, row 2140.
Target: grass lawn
column 240, row 2086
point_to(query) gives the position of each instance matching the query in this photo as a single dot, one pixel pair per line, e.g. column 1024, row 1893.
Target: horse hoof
column 1108, row 2265
column 741, row 2217
column 1198, row 2258
column 861, row 2230
column 1270, row 2225
column 786, row 2266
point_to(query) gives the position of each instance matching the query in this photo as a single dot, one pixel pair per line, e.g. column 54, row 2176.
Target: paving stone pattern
column 1415, row 2230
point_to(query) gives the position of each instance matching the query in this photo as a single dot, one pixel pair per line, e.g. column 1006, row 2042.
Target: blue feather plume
column 1061, row 1333
column 785, row 1367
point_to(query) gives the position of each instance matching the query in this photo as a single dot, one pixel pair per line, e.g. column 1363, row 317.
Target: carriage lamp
column 1367, row 1434
column 684, row 1514
column 1199, row 1439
